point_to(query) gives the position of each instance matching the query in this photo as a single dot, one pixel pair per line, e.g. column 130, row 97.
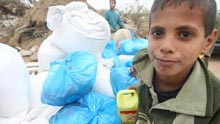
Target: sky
column 104, row 4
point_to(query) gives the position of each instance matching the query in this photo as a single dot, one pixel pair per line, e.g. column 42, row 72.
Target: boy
column 175, row 87
column 113, row 17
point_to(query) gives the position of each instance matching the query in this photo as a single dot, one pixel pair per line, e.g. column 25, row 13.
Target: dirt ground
column 214, row 65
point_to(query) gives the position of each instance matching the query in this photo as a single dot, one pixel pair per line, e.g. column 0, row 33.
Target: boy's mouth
column 165, row 62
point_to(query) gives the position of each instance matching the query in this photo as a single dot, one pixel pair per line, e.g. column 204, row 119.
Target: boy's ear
column 210, row 40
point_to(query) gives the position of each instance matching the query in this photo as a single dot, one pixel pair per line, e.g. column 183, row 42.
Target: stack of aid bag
column 20, row 101
column 14, row 84
column 75, row 28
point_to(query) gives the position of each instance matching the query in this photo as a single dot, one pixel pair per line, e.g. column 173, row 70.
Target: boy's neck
column 166, row 83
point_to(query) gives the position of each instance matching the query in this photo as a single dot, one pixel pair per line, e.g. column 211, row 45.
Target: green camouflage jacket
column 198, row 102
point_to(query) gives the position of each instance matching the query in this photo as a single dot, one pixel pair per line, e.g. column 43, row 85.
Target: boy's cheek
column 150, row 53
column 152, row 46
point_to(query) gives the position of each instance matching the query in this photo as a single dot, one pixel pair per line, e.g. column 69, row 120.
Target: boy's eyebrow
column 184, row 27
column 187, row 27
column 157, row 28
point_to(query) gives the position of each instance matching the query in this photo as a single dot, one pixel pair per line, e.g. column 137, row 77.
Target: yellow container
column 127, row 103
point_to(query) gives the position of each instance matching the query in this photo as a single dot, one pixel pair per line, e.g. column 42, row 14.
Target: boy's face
column 112, row 4
column 176, row 38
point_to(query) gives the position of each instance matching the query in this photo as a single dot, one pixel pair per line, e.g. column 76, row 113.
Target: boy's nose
column 168, row 46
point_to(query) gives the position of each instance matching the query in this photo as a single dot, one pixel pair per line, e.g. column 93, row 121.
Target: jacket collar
column 192, row 98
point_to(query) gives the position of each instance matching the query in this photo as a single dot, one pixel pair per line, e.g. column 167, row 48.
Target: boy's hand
column 133, row 87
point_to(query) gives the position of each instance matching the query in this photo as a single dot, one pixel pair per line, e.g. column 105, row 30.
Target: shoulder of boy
column 140, row 55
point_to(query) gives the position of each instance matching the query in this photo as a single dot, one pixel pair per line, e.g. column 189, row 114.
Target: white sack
column 39, row 113
column 121, row 34
column 81, row 30
column 14, row 84
column 37, row 82
column 55, row 16
column 125, row 58
column 103, row 83
column 10, row 120
column 47, row 53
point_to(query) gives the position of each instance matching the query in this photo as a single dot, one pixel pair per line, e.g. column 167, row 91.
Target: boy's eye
column 157, row 33
column 185, row 34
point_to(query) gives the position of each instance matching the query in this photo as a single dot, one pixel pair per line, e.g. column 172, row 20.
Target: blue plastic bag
column 70, row 79
column 121, row 79
column 93, row 108
column 131, row 47
column 111, row 45
column 110, row 52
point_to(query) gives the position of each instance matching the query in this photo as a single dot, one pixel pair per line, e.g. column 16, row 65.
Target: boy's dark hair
column 207, row 7
column 112, row 0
